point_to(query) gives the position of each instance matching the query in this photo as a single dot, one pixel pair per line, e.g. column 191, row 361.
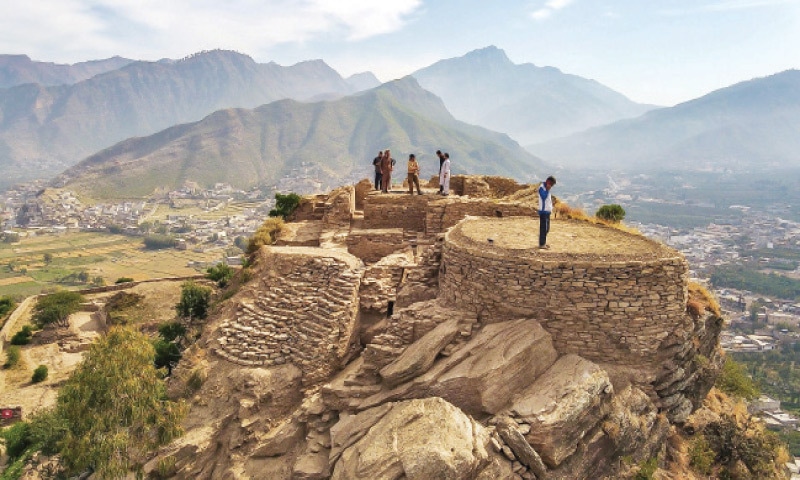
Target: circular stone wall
column 601, row 292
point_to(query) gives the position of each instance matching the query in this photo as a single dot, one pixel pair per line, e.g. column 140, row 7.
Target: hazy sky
column 661, row 52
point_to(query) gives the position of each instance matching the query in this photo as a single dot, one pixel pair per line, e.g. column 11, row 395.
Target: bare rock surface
column 418, row 440
column 562, row 405
column 503, row 359
column 419, row 357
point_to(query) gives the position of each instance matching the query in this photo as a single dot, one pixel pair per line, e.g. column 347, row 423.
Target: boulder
column 562, row 405
column 501, row 360
column 420, row 355
column 417, row 440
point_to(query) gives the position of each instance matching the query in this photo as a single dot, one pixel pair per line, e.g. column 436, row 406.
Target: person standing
column 444, row 175
column 376, row 162
column 545, row 209
column 441, row 162
column 413, row 175
column 387, row 164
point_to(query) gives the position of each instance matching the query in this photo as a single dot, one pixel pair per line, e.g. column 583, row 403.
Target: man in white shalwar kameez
column 444, row 175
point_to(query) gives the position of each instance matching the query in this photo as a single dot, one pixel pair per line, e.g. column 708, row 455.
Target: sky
column 661, row 52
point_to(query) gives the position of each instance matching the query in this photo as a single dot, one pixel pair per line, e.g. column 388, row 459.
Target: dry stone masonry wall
column 611, row 311
column 304, row 312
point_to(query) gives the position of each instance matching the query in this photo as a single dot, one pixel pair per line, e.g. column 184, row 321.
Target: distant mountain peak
column 491, row 55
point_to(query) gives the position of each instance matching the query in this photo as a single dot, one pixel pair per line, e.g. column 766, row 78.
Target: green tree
column 48, row 258
column 611, row 213
column 221, row 273
column 115, row 408
column 158, row 241
column 56, row 308
column 13, row 355
column 285, row 205
column 733, row 380
column 194, row 301
column 23, row 337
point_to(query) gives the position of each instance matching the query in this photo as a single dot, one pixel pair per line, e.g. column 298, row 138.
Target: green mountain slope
column 750, row 124
column 43, row 130
column 336, row 140
column 530, row 103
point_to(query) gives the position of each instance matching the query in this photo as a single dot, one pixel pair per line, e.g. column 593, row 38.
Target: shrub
column 611, row 213
column 221, row 273
column 194, row 301
column 757, row 449
column 123, row 280
column 17, row 439
column 40, row 374
column 171, row 330
column 122, row 308
column 158, row 241
column 13, row 355
column 23, row 337
column 733, row 380
column 266, row 234
column 195, row 380
column 6, row 305
column 56, row 308
column 285, row 205
column 647, row 469
column 701, row 457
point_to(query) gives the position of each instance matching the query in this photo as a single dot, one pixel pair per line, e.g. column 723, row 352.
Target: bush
column 13, row 355
column 17, row 439
column 266, row 234
column 733, row 380
column 122, row 308
column 647, row 469
column 158, row 242
column 23, row 337
column 611, row 213
column 6, row 305
column 56, row 308
column 221, row 274
column 758, row 450
column 171, row 330
column 701, row 457
column 40, row 374
column 123, row 280
column 194, row 301
column 285, row 205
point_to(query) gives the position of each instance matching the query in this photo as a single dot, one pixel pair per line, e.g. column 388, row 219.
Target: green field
column 23, row 270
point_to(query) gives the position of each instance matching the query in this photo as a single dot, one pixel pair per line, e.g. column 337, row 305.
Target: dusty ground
column 568, row 239
column 16, row 388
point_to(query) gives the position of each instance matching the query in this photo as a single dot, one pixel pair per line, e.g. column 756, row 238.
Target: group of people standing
column 384, row 165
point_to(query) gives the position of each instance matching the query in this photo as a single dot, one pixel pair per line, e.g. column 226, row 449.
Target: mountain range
column 335, row 139
column 20, row 69
column 45, row 129
column 752, row 124
column 530, row 103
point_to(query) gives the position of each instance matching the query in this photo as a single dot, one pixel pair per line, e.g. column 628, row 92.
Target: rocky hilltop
column 421, row 337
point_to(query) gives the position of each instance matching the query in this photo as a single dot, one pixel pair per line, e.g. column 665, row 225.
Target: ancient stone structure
column 302, row 311
column 422, row 312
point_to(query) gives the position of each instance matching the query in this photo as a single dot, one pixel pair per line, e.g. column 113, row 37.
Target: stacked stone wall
column 396, row 211
column 446, row 213
column 339, row 207
column 484, row 186
column 611, row 312
column 372, row 245
column 302, row 311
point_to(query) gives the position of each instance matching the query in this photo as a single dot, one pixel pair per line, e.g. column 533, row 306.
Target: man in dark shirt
column 441, row 162
column 376, row 162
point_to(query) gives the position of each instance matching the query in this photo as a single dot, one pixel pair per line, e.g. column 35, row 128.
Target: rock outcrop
column 420, row 341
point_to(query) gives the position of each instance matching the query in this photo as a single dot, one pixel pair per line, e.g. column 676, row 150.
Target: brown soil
column 568, row 240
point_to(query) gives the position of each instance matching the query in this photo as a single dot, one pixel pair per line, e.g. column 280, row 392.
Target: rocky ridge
column 342, row 359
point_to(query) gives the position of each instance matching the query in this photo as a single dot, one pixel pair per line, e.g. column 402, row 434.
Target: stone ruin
column 562, row 361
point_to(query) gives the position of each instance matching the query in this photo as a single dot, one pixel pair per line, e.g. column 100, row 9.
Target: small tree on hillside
column 194, row 301
column 611, row 213
column 285, row 205
column 56, row 308
column 114, row 407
